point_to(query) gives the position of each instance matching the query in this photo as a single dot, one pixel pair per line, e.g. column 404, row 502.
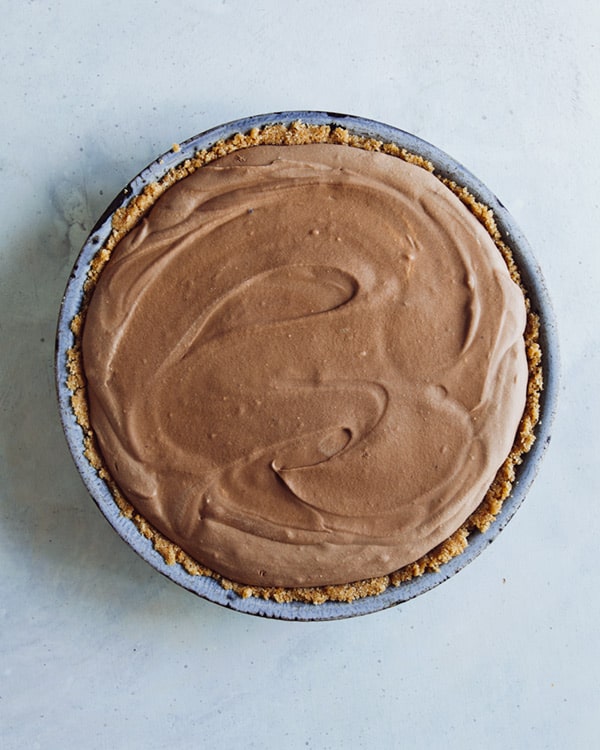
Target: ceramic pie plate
column 531, row 275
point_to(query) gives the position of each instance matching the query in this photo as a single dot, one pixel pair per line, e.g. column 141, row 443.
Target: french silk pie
column 305, row 364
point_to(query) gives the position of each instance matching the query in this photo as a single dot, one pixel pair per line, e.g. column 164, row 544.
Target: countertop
column 97, row 650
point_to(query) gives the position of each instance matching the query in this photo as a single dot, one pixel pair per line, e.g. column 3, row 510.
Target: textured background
column 99, row 651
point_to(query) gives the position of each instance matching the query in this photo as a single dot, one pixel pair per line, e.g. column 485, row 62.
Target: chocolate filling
column 306, row 364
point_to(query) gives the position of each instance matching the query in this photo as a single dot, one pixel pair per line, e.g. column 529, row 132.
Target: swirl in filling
column 306, row 365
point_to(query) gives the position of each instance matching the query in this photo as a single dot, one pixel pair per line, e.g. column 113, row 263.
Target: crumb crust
column 128, row 216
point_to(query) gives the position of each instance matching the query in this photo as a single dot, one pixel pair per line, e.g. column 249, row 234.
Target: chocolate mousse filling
column 305, row 366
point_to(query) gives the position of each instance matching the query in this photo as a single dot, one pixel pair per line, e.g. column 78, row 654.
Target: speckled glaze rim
column 533, row 281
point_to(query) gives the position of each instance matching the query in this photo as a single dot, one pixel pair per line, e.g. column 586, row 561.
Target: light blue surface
column 99, row 651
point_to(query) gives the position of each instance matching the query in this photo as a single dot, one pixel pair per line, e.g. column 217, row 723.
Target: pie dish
column 309, row 601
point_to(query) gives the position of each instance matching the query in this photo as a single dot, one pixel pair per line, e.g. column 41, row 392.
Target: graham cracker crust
column 127, row 217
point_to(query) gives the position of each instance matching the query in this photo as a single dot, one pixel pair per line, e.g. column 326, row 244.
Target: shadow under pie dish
column 299, row 365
